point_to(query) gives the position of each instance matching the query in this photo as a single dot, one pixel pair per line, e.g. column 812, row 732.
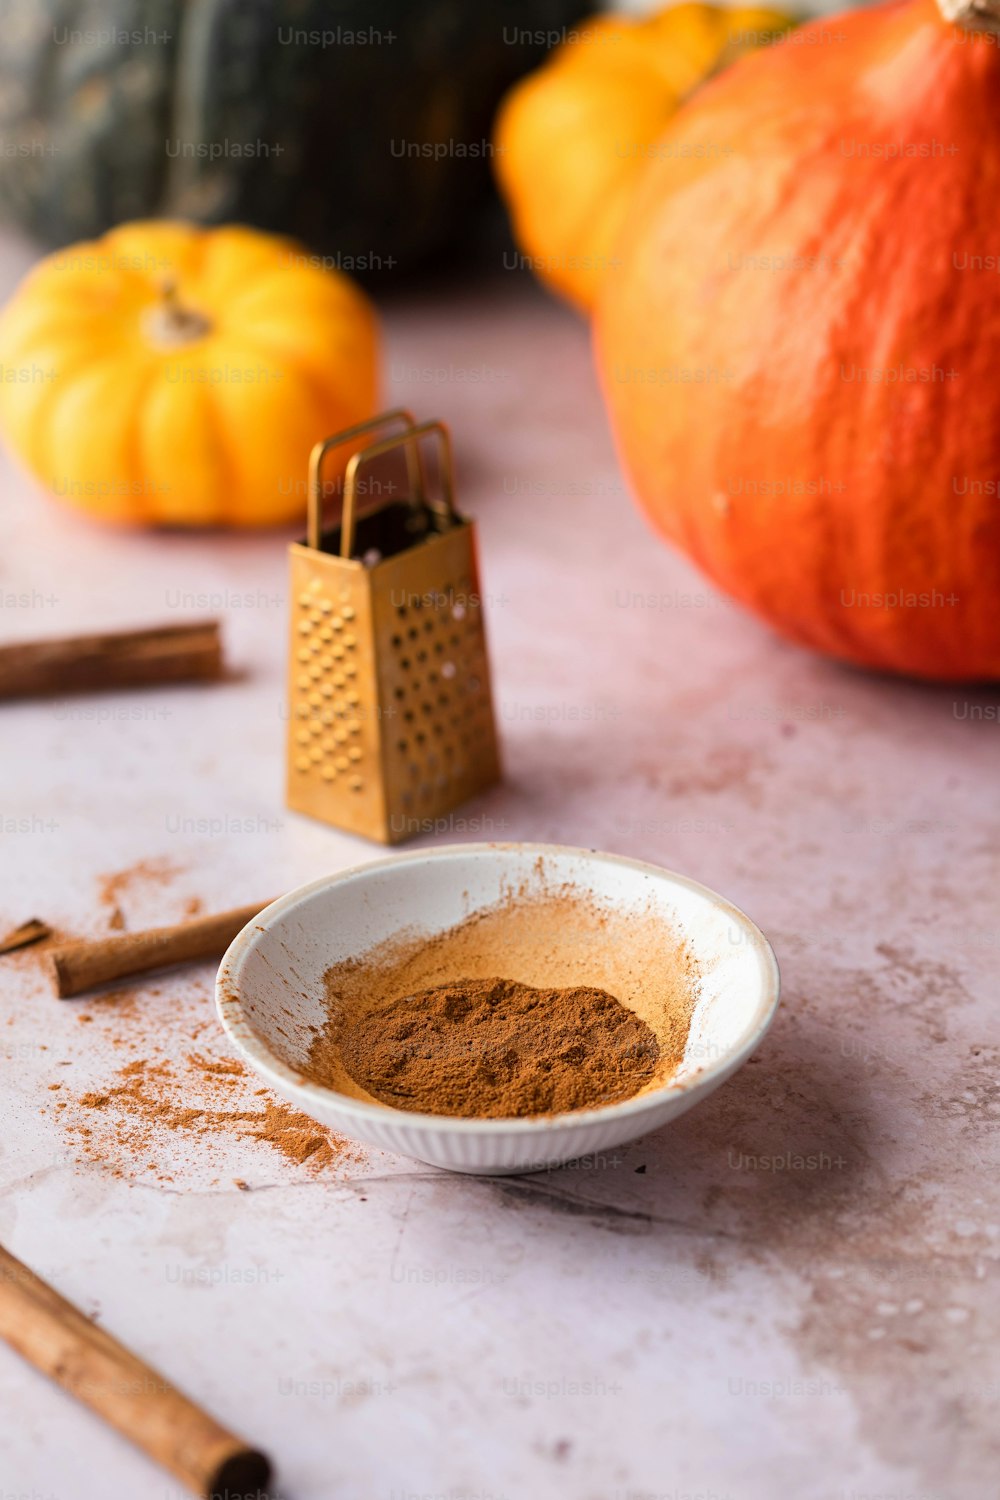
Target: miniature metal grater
column 390, row 710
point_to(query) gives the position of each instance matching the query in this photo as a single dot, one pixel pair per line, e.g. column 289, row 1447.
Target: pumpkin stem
column 169, row 324
column 972, row 15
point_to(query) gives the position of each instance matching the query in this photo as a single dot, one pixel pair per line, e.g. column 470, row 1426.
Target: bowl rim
column 284, row 1077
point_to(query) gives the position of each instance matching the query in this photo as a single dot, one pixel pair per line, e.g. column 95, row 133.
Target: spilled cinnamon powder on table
column 204, row 1100
column 150, row 1097
column 173, row 1105
column 134, row 1077
column 111, row 889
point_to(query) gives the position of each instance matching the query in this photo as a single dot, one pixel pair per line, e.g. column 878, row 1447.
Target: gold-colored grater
column 390, row 709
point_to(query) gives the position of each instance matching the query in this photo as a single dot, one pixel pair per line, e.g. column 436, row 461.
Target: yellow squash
column 172, row 375
column 572, row 137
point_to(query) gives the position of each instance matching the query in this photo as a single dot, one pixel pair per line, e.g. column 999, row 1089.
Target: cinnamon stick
column 33, row 931
column 130, row 1395
column 114, row 659
column 84, row 965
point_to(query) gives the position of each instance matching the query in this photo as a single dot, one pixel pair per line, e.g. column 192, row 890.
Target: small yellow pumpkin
column 572, row 137
column 179, row 376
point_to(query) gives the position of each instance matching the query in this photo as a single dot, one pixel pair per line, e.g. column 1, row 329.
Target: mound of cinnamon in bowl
column 531, row 1008
column 498, row 1048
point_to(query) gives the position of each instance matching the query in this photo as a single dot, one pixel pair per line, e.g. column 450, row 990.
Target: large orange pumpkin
column 800, row 350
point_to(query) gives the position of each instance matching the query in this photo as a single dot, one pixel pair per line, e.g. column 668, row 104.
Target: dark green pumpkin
column 110, row 110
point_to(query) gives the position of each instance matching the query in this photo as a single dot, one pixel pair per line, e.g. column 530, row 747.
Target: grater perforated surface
column 327, row 729
column 439, row 742
column 333, row 745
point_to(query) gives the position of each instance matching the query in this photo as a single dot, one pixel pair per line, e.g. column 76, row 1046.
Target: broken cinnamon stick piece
column 29, row 932
column 114, row 659
column 59, row 1340
column 85, row 965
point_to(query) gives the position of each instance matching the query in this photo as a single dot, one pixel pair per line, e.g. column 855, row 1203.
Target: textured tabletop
column 790, row 1291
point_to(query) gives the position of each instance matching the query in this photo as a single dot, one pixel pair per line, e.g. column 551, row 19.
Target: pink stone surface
column 790, row 1291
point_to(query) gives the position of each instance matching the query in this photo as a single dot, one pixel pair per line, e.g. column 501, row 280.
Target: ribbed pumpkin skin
column 85, row 126
column 745, row 398
column 136, row 423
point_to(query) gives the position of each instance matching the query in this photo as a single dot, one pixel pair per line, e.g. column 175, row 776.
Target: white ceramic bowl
column 270, row 991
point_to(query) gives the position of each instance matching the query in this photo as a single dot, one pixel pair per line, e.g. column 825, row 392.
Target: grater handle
column 445, row 507
column 320, row 450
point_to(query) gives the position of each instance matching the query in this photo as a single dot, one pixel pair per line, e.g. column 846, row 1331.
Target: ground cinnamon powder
column 551, row 939
column 173, row 1111
column 142, row 1081
column 498, row 1048
column 148, row 1097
